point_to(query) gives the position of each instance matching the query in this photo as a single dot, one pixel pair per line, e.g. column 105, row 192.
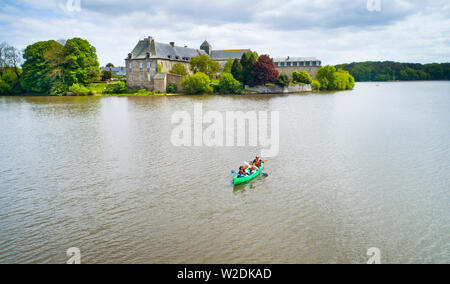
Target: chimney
column 172, row 44
column 288, row 58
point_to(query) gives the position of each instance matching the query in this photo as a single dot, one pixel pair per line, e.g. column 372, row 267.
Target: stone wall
column 175, row 79
column 279, row 90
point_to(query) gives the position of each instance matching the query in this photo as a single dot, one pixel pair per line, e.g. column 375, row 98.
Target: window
column 131, row 77
column 141, row 77
column 141, row 65
column 149, row 78
column 148, row 65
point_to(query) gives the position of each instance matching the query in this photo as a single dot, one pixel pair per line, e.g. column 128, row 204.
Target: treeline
column 49, row 67
column 392, row 71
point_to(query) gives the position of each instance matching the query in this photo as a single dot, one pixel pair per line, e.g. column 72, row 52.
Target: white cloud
column 335, row 31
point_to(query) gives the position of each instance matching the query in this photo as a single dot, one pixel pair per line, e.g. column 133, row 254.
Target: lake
column 355, row 170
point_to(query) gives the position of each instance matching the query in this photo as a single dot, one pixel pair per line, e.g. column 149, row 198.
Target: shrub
column 158, row 69
column 229, row 85
column 283, row 80
column 198, row 83
column 119, row 88
column 59, row 89
column 302, row 77
column 79, row 90
column 172, row 88
column 315, row 85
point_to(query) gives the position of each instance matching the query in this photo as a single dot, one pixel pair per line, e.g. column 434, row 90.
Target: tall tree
column 82, row 65
column 36, row 76
column 264, row 71
column 13, row 58
column 237, row 71
column 247, row 61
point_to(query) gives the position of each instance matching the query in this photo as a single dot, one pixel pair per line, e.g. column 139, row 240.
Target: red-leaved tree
column 264, row 71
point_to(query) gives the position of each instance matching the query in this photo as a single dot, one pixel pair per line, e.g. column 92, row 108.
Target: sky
column 335, row 31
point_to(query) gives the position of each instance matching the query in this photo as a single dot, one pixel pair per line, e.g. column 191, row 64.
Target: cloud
column 335, row 31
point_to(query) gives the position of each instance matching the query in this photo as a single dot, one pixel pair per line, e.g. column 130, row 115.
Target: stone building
column 142, row 63
column 289, row 65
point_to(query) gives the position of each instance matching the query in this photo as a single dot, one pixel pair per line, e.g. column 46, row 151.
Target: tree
column 205, row 65
column 263, row 71
column 344, row 81
column 82, row 63
column 327, row 77
column 315, row 85
column 228, row 66
column 237, row 71
column 301, row 77
column 283, row 80
column 106, row 75
column 198, row 83
column 229, row 85
column 40, row 60
column 9, row 82
column 179, row 69
column 247, row 61
column 110, row 65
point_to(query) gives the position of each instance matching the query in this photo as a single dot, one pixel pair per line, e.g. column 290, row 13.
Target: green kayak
column 240, row 180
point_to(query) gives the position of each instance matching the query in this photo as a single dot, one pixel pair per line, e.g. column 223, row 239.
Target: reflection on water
column 360, row 169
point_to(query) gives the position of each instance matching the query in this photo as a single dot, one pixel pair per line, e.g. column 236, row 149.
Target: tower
column 206, row 47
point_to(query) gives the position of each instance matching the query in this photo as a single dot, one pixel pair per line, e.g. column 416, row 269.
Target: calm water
column 359, row 169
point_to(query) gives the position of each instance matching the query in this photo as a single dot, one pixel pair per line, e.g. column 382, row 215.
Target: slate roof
column 228, row 54
column 167, row 51
column 163, row 51
column 295, row 59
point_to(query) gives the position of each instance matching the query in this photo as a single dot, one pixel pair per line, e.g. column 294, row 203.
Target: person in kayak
column 257, row 162
column 242, row 172
column 252, row 168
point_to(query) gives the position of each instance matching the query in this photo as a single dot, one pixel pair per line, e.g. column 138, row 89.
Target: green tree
column 41, row 60
column 344, row 81
column 106, row 75
column 301, row 77
column 247, row 61
column 205, row 65
column 229, row 85
column 315, row 85
column 158, row 68
column 109, row 65
column 179, row 69
column 198, row 83
column 237, row 70
column 81, row 62
column 283, row 80
column 228, row 66
column 327, row 77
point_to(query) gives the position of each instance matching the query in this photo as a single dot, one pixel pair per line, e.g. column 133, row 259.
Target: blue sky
column 336, row 31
